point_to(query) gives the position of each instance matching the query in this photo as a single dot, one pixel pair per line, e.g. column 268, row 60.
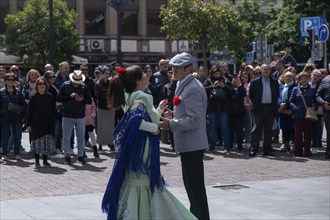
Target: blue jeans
column 16, row 128
column 67, row 127
column 216, row 119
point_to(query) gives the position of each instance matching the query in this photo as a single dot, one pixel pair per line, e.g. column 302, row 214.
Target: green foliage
column 285, row 29
column 216, row 25
column 27, row 32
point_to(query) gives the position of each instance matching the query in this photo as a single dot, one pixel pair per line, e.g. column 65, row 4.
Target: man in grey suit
column 188, row 124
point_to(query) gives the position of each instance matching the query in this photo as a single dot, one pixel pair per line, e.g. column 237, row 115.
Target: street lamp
column 118, row 5
column 51, row 34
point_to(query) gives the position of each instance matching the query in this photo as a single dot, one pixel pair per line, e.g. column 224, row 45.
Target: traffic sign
column 249, row 57
column 310, row 23
column 323, row 33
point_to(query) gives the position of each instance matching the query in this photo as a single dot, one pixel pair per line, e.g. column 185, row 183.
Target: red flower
column 176, row 100
column 121, row 71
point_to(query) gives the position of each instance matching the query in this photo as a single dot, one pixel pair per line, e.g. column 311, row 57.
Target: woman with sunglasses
column 41, row 106
column 50, row 78
column 12, row 109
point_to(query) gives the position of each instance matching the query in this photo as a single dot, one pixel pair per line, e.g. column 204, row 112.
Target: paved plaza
column 238, row 187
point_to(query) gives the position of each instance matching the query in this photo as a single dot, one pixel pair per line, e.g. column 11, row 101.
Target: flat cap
column 181, row 60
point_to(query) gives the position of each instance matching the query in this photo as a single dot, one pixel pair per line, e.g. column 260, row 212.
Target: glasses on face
column 309, row 69
column 216, row 71
column 41, row 84
column 10, row 79
column 14, row 70
column 52, row 77
column 84, row 69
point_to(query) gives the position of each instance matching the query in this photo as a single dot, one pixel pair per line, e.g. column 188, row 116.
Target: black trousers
column 263, row 121
column 327, row 126
column 193, row 179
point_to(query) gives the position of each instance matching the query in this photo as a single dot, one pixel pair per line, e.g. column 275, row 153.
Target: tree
column 214, row 26
column 256, row 21
column 285, row 29
column 27, row 32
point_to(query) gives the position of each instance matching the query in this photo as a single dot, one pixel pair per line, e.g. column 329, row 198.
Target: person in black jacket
column 323, row 98
column 41, row 105
column 264, row 93
column 219, row 106
column 237, row 113
column 11, row 117
column 74, row 94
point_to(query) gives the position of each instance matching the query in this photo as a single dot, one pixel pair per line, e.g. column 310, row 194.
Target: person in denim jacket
column 11, row 120
column 302, row 127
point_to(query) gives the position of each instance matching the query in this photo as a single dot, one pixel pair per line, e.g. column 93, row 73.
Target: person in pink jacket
column 90, row 113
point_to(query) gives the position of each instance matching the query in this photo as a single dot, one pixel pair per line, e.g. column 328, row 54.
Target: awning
column 79, row 60
column 11, row 59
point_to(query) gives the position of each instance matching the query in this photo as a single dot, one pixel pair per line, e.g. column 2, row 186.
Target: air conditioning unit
column 97, row 44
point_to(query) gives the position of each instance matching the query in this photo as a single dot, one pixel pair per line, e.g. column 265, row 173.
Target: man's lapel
column 181, row 86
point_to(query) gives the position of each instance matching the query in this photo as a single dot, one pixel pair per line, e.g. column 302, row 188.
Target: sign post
column 323, row 37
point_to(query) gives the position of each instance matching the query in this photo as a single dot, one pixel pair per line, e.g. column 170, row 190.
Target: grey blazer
column 189, row 117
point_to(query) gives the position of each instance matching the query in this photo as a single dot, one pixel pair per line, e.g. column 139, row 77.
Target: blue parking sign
column 308, row 23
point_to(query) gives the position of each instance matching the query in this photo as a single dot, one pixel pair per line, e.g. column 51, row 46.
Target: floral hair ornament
column 121, row 71
column 176, row 100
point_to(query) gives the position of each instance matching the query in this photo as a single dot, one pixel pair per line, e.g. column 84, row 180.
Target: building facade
column 142, row 42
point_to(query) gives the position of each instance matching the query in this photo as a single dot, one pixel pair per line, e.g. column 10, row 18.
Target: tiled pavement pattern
column 280, row 187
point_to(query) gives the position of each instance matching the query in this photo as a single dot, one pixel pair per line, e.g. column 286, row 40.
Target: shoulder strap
column 302, row 96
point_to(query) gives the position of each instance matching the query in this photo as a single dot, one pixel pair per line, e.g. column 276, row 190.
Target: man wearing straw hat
column 74, row 94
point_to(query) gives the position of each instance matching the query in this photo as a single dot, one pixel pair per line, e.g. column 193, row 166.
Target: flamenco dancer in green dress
column 136, row 189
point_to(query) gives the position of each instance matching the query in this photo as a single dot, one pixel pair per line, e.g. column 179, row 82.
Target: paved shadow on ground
column 19, row 163
column 51, row 170
column 87, row 167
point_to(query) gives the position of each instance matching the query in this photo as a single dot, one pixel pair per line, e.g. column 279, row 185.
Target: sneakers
column 67, row 160
column 4, row 158
column 81, row 160
column 314, row 150
column 46, row 164
column 18, row 157
column 37, row 166
column 58, row 151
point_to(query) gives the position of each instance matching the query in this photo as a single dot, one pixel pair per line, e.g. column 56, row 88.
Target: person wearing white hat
column 188, row 124
column 74, row 95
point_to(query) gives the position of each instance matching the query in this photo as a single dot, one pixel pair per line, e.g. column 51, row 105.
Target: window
column 4, row 10
column 130, row 18
column 94, row 23
column 153, row 20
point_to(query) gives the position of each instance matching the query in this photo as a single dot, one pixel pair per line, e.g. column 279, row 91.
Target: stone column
column 81, row 17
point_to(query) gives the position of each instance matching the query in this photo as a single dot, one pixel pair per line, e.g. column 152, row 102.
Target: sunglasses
column 309, row 69
column 10, row 79
column 216, row 71
column 41, row 84
column 52, row 77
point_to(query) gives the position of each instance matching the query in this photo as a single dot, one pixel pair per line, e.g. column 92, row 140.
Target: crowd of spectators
column 246, row 110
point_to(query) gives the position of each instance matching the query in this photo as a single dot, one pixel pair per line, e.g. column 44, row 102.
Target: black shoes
column 67, row 160
column 268, row 154
column 95, row 153
column 112, row 147
column 252, row 154
column 81, row 160
column 46, row 164
column 327, row 157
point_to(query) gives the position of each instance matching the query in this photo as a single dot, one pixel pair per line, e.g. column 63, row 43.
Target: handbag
column 14, row 108
column 310, row 112
column 285, row 111
column 218, row 94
